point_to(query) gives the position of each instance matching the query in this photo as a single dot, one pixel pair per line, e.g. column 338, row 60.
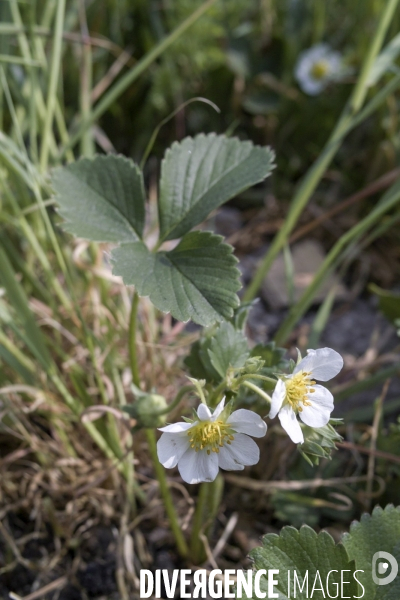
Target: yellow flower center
column 297, row 389
column 320, row 69
column 210, row 435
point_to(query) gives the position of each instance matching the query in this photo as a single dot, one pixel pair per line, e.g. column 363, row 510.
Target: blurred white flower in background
column 317, row 67
column 212, row 441
column 300, row 394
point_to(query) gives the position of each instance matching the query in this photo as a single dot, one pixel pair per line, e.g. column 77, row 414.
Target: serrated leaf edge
column 98, row 157
column 247, row 143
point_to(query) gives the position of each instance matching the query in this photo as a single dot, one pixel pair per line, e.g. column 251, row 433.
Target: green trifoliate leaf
column 312, row 556
column 197, row 280
column 379, row 532
column 194, row 363
column 228, row 348
column 199, row 174
column 218, row 349
column 101, row 199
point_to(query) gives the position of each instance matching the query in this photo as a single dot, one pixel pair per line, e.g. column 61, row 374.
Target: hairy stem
column 177, row 399
column 256, row 376
column 151, row 437
column 206, row 510
column 166, row 495
column 132, row 340
column 258, row 390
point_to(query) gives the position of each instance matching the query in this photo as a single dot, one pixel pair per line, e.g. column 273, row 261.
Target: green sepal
column 145, row 411
column 319, row 442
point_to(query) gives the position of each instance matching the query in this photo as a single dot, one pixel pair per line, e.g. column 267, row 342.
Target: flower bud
column 146, row 411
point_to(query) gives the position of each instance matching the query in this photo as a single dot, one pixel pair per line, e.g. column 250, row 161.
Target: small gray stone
column 307, row 257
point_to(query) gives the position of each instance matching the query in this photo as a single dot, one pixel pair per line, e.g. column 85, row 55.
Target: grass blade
column 120, row 86
column 53, row 82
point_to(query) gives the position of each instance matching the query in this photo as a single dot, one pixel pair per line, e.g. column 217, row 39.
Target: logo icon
column 380, row 568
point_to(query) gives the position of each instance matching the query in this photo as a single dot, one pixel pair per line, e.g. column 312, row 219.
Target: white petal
column 176, row 427
column 170, row 448
column 278, row 397
column 218, row 410
column 203, row 412
column 290, row 424
column 247, row 421
column 318, row 414
column 311, row 86
column 321, row 396
column 243, row 450
column 195, row 467
column 226, row 460
column 323, row 364
column 335, row 64
column 319, row 51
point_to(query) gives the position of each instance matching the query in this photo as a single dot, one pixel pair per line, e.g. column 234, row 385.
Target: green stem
column 199, row 389
column 87, row 146
column 215, row 396
column 123, row 84
column 256, row 376
column 53, row 82
column 131, row 484
column 20, row 356
column 132, row 340
column 258, row 390
column 315, row 173
column 177, row 399
column 53, row 238
column 166, row 495
column 33, row 85
column 168, row 118
column 319, row 20
column 197, row 553
column 151, row 438
column 39, row 251
column 17, row 60
column 26, row 53
column 207, row 507
column 360, row 91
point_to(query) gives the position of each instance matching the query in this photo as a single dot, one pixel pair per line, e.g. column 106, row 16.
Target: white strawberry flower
column 299, row 394
column 316, row 67
column 212, row 441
